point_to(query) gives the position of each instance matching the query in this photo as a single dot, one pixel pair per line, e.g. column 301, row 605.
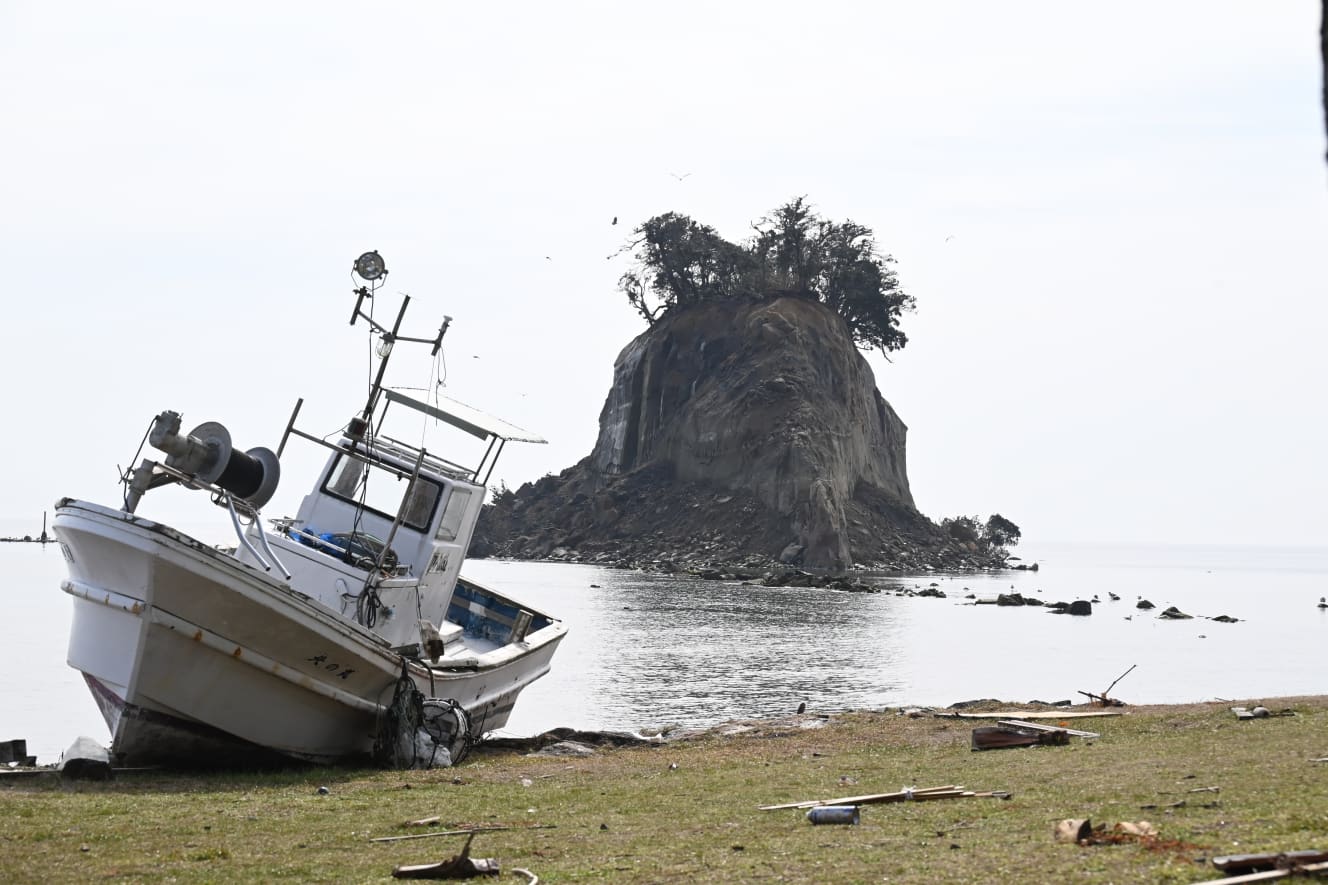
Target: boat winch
column 207, row 457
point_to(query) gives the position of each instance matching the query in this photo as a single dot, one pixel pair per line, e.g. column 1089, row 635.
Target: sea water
column 646, row 650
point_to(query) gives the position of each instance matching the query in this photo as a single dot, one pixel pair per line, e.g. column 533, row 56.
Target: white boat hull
column 195, row 657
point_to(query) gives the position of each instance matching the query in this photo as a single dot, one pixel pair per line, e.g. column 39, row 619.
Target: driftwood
column 462, row 866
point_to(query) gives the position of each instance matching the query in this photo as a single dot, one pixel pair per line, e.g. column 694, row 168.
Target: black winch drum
column 251, row 476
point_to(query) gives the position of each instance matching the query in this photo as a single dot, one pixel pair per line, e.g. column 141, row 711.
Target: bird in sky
column 949, row 238
column 615, row 220
column 680, row 177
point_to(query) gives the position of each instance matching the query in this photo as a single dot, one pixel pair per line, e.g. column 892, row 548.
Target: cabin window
column 452, row 513
column 383, row 492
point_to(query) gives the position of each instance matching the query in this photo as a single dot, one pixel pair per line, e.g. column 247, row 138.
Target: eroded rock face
column 771, row 399
column 752, row 427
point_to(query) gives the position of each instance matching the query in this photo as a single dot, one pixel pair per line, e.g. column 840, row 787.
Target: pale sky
column 1114, row 220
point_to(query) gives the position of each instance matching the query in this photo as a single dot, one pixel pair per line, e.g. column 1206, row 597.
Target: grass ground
column 687, row 811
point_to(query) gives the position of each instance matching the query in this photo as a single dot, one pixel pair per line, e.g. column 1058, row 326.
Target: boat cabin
column 382, row 535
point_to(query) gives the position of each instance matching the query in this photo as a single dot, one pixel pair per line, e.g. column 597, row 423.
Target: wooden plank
column 872, row 798
column 1035, row 714
column 1017, row 723
column 1269, row 875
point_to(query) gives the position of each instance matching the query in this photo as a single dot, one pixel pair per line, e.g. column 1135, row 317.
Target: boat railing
column 155, row 474
column 434, row 463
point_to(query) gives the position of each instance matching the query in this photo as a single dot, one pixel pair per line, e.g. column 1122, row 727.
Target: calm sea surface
column 646, row 650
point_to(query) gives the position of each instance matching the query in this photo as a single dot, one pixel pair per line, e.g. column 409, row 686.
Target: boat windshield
column 383, row 491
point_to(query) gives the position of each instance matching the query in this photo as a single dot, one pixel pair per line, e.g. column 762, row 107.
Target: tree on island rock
column 1000, row 532
column 794, row 252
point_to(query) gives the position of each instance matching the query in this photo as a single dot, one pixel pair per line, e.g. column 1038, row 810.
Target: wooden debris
column 459, row 832
column 1037, row 726
column 1035, row 714
column 908, row 795
column 461, row 866
column 1118, row 679
column 423, row 822
column 1267, row 867
column 1275, row 874
column 1000, row 737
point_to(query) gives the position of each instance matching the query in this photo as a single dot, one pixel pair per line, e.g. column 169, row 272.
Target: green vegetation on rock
column 794, row 252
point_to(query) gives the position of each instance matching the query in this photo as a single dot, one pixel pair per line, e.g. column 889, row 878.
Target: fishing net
column 419, row 732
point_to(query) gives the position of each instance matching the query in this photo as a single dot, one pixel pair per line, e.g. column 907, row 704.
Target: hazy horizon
column 1115, row 224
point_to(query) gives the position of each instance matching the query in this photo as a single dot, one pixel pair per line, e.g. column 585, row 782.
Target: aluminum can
column 833, row 814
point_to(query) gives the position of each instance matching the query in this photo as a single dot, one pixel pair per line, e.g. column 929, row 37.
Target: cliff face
column 771, row 399
column 736, row 431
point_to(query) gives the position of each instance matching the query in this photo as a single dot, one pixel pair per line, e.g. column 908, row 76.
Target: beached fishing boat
column 339, row 633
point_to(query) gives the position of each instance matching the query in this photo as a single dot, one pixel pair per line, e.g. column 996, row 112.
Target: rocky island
column 741, row 433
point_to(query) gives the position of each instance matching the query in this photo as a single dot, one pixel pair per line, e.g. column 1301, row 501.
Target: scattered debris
column 86, row 760
column 460, row 832
column 1073, row 830
column 908, row 794
column 1259, row 712
column 462, row 866
column 833, row 814
column 423, row 822
column 1082, row 832
column 1037, row 726
column 1180, row 803
column 1285, row 863
column 16, row 751
column 1033, row 714
column 1002, row 736
column 1103, row 699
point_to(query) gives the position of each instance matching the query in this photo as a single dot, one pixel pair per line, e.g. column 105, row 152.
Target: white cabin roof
column 463, row 417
